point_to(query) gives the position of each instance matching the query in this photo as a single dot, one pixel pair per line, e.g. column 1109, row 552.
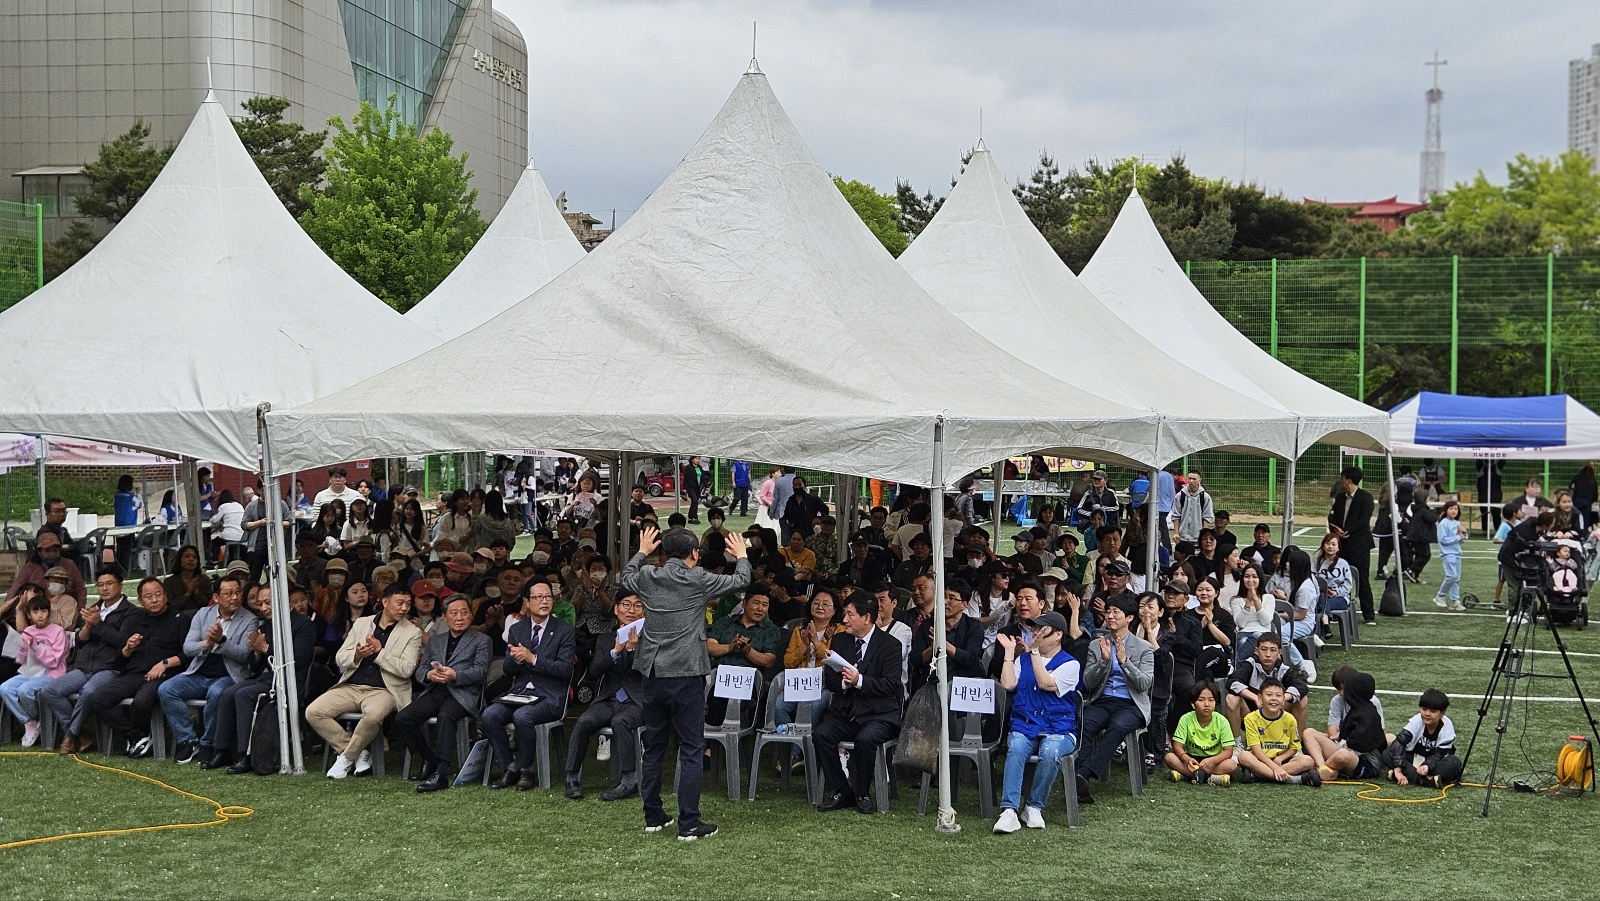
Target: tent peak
column 211, row 97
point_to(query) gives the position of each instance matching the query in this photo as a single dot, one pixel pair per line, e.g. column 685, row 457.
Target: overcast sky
column 1323, row 100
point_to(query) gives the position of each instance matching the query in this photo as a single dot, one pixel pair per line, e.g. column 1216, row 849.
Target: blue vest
column 1035, row 712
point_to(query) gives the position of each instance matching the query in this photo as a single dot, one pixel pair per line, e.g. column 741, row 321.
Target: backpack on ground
column 263, row 750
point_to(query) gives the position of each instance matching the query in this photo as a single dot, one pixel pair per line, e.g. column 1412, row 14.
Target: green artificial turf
column 376, row 838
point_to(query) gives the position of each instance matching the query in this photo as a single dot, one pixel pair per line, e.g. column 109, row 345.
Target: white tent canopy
column 983, row 259
column 206, row 301
column 743, row 311
column 1135, row 275
column 525, row 247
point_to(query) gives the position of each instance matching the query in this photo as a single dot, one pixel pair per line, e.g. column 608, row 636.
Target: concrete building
column 77, row 73
column 1583, row 105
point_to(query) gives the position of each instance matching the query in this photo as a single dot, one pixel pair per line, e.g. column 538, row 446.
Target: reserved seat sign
column 803, row 684
column 737, row 683
column 971, row 695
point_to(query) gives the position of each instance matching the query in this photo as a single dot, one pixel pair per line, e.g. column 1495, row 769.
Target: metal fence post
column 38, row 244
column 1361, row 336
column 1549, row 333
column 1455, row 339
column 1272, row 319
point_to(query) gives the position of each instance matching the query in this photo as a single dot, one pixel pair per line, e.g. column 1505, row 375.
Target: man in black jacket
column 152, row 652
column 237, row 703
column 1351, row 520
column 801, row 511
column 615, row 704
column 865, row 708
column 963, row 639
column 100, row 640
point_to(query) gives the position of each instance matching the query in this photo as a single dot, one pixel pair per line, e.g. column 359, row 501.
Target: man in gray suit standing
column 673, row 659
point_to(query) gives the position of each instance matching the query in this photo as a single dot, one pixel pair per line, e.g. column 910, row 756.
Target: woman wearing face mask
column 425, row 612
column 188, row 588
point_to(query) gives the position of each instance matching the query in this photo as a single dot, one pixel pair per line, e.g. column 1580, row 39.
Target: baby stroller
column 1566, row 583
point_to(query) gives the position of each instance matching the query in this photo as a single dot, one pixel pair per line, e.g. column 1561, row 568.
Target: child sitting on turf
column 1355, row 741
column 1424, row 753
column 1202, row 745
column 1272, row 743
column 1244, row 686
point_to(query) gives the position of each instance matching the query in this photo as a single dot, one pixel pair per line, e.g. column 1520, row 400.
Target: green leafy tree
column 116, row 180
column 916, row 211
column 879, row 211
column 1545, row 206
column 398, row 213
column 286, row 154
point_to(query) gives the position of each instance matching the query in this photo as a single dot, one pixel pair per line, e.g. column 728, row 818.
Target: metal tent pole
column 289, row 752
column 1152, row 525
column 1288, row 504
column 191, row 501
column 1394, row 518
column 40, row 452
column 947, row 815
column 677, row 484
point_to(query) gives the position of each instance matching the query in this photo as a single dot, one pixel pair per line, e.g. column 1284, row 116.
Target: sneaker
column 1440, row 602
column 187, row 752
column 659, row 826
column 603, row 749
column 139, row 747
column 1317, row 639
column 1312, row 777
column 1221, row 780
column 1177, row 776
column 1457, row 607
column 1369, row 622
column 1033, row 817
column 1413, row 578
column 1310, row 670
column 1007, row 823
column 30, row 733
column 704, row 830
column 364, row 763
column 341, row 767
column 1246, row 776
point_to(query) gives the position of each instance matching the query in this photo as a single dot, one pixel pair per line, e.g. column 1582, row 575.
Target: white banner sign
column 736, row 683
column 804, row 684
column 23, row 450
column 971, row 695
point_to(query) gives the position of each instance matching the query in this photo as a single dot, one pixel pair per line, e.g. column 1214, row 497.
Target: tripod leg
column 1495, row 673
column 1519, row 640
column 1577, row 689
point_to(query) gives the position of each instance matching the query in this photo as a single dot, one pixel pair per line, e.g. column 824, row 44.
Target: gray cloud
column 619, row 90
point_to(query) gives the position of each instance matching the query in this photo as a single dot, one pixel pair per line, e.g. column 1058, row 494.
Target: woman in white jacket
column 227, row 524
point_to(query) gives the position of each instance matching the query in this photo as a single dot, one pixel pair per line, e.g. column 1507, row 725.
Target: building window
column 400, row 47
column 42, row 190
column 72, row 187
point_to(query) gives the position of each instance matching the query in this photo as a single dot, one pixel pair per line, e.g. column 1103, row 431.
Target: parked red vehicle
column 660, row 483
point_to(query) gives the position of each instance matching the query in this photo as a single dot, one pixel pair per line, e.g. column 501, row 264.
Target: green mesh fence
column 21, row 251
column 1383, row 329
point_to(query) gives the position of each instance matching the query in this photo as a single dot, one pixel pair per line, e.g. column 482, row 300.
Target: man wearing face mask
column 48, row 553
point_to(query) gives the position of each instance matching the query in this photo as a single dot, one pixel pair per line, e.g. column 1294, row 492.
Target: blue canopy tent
column 1453, row 426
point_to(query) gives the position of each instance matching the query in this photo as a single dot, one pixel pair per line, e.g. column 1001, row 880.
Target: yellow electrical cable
column 221, row 813
column 1369, row 793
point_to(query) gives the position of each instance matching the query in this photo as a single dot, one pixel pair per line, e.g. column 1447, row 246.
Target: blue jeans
column 1292, row 630
column 21, row 695
column 57, row 697
column 786, row 710
column 175, row 692
column 1019, row 747
column 1452, row 576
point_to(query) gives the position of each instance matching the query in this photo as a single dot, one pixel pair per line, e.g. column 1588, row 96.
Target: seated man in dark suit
column 963, row 639
column 539, row 656
column 616, row 704
column 450, row 673
column 237, row 703
column 865, row 708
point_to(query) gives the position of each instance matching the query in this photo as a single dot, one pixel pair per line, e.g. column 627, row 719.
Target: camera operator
column 1522, row 537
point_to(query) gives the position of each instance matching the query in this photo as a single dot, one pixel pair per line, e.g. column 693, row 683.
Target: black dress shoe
column 527, row 782
column 217, row 760
column 1084, row 795
column 505, row 780
column 240, row 767
column 574, row 790
column 839, row 801
column 420, row 775
column 437, row 781
column 864, row 805
column 627, row 788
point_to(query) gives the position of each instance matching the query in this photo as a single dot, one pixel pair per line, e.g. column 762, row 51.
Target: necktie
column 861, row 645
column 534, row 638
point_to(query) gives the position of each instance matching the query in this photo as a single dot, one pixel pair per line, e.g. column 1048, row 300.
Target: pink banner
column 22, row 450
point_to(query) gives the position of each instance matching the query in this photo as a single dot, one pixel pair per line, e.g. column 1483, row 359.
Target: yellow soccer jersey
column 1277, row 737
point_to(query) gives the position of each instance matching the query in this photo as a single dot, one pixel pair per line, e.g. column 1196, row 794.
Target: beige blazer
column 397, row 660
